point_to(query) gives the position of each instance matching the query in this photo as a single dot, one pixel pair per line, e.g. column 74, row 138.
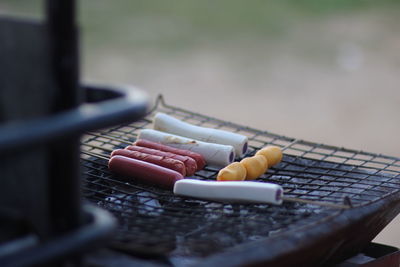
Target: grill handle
column 118, row 105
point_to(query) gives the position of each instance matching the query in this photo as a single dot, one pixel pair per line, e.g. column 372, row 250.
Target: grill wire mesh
column 154, row 221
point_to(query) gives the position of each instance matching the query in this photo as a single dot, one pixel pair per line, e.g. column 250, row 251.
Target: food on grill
column 272, row 153
column 214, row 154
column 162, row 161
column 190, row 164
column 196, row 156
column 255, row 166
column 327, row 200
column 233, row 172
column 144, row 171
column 169, row 124
column 231, row 191
column 248, row 168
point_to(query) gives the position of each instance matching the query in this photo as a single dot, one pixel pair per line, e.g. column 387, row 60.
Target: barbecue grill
column 340, row 198
column 343, row 199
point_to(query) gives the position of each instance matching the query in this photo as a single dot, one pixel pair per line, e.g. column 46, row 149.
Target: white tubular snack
column 166, row 123
column 237, row 191
column 214, row 154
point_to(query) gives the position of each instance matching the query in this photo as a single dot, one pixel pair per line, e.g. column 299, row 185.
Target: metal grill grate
column 154, row 221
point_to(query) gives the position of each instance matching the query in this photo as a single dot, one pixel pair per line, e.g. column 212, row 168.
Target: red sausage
column 144, row 171
column 168, row 163
column 196, row 156
column 190, row 163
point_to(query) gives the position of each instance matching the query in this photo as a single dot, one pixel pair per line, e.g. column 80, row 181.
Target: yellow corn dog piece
column 273, row 154
column 233, row 172
column 255, row 166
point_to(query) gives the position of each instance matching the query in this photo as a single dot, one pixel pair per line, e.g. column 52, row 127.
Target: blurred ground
column 324, row 71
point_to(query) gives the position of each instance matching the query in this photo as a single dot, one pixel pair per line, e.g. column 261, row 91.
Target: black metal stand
column 43, row 113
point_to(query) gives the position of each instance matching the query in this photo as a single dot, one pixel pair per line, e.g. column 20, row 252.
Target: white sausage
column 166, row 123
column 232, row 191
column 214, row 154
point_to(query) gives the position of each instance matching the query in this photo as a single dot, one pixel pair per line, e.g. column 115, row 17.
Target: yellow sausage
column 255, row 166
column 273, row 154
column 233, row 172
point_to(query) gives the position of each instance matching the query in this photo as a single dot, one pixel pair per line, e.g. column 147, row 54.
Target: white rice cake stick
column 232, row 191
column 169, row 124
column 214, row 154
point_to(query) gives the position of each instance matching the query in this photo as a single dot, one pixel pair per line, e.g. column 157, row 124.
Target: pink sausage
column 196, row 156
column 166, row 162
column 190, row 163
column 144, row 171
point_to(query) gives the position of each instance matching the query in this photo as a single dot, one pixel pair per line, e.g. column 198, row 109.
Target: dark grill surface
column 154, row 221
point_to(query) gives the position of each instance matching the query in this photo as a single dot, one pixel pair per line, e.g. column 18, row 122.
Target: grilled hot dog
column 162, row 161
column 144, row 171
column 190, row 164
column 196, row 156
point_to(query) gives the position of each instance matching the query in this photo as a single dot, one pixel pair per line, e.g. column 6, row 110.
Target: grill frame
column 373, row 175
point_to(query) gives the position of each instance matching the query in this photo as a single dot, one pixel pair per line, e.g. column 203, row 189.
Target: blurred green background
column 325, row 71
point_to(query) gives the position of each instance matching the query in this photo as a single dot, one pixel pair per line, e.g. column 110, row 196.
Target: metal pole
column 64, row 42
column 64, row 181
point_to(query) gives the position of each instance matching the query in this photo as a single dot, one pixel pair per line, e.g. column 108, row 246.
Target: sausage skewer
column 196, row 156
column 190, row 164
column 144, row 171
column 214, row 154
column 169, row 124
column 231, row 191
column 241, row 192
column 163, row 161
column 199, row 159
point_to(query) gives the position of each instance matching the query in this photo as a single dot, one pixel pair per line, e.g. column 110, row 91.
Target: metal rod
column 64, row 185
column 121, row 140
column 318, row 203
column 64, row 49
column 95, row 155
column 102, row 148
